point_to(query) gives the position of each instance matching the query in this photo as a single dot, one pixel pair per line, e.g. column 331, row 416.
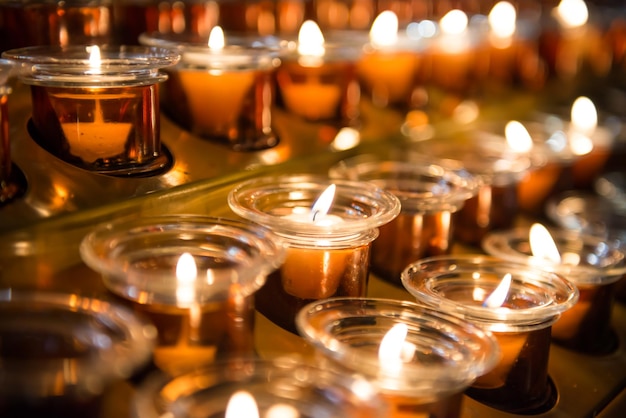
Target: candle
column 10, row 184
column 193, row 276
column 517, row 303
column 317, row 81
column 219, row 90
column 246, row 387
column 430, row 195
column 591, row 264
column 421, row 360
column 326, row 256
column 97, row 107
column 388, row 68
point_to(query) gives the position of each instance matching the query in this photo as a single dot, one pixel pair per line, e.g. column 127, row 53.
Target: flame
column 242, row 404
column 584, row 115
column 502, row 19
column 454, row 22
column 186, row 273
column 311, row 40
column 394, row 349
column 384, row 31
column 517, row 137
column 572, row 13
column 498, row 296
column 324, row 202
column 542, row 244
column 346, row 138
column 282, row 410
column 217, row 39
column 95, row 59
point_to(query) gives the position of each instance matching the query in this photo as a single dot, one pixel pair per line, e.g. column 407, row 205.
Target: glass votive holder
column 499, row 168
column 61, row 353
column 193, row 276
column 429, row 195
column 318, row 82
column 97, row 107
column 225, row 93
column 245, row 387
column 421, row 360
column 592, row 264
column 329, row 241
column 520, row 316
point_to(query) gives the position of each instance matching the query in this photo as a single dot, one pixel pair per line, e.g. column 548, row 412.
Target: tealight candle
column 419, row 359
column 328, row 254
column 193, row 276
column 517, row 303
column 429, row 194
column 245, row 387
column 592, row 264
column 223, row 89
column 97, row 107
column 317, row 79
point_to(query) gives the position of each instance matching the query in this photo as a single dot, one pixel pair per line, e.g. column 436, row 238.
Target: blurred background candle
column 421, row 360
column 97, row 107
column 222, row 88
column 517, row 303
column 317, row 79
column 429, row 195
column 590, row 263
column 328, row 253
column 193, row 276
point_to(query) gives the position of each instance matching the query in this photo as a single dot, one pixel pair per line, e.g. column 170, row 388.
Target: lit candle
column 317, row 81
column 242, row 404
column 502, row 42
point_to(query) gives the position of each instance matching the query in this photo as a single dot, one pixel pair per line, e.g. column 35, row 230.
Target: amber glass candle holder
column 593, row 264
column 61, row 352
column 328, row 254
column 429, row 195
column 193, row 276
column 423, row 372
column 97, row 107
column 281, row 386
column 226, row 94
column 521, row 320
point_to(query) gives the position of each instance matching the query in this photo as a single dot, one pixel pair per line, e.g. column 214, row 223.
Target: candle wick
column 315, row 214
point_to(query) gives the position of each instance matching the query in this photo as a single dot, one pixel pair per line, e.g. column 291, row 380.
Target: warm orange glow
column 517, row 137
column 572, row 13
column 454, row 22
column 217, row 39
column 542, row 244
column 242, row 404
column 502, row 19
column 498, row 296
column 384, row 31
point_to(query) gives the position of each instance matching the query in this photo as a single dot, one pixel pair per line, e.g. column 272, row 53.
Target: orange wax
column 451, row 70
column 91, row 141
column 312, row 100
column 423, row 407
column 216, row 100
column 537, row 185
column 569, row 323
column 389, row 77
column 587, row 167
column 511, row 345
column 314, row 273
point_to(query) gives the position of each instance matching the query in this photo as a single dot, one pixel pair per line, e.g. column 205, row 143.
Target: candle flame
column 384, row 31
column 572, row 13
column 242, row 404
column 502, row 19
column 454, row 22
column 324, row 202
column 498, row 296
column 584, row 115
column 217, row 39
column 517, row 137
column 95, row 59
column 282, row 410
column 186, row 273
column 542, row 244
column 394, row 349
column 310, row 40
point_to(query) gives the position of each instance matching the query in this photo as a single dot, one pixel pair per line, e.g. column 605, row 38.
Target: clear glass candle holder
column 593, row 264
column 61, row 352
column 224, row 94
column 97, row 107
column 429, row 195
column 282, row 386
column 328, row 255
column 203, row 307
column 521, row 320
column 499, row 168
column 425, row 371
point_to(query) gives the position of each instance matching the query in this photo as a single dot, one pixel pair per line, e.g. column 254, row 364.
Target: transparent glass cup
column 428, row 369
column 429, row 194
column 327, row 255
column 282, row 386
column 203, row 310
column 11, row 184
column 521, row 320
column 593, row 264
column 97, row 107
column 60, row 352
